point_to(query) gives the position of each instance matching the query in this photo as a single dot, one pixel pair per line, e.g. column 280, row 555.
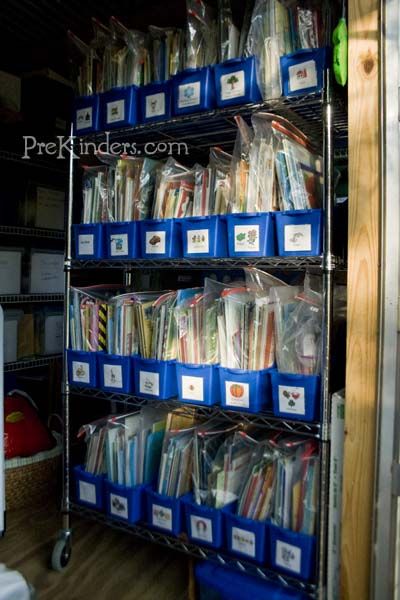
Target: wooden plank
column 363, row 298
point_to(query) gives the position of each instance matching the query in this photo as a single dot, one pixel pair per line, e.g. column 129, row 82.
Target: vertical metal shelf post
column 65, row 508
column 328, row 286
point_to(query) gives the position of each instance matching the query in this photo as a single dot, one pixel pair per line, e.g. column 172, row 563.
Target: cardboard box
column 47, row 272
column 10, row 270
column 26, row 336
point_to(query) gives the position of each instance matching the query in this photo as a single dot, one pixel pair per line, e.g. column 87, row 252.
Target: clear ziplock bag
column 94, row 435
column 135, row 180
column 308, row 25
column 102, row 44
column 256, row 500
column 298, row 326
column 88, row 317
column 83, row 62
column 208, row 438
column 96, row 194
column 202, row 191
column 298, row 167
column 163, row 344
column 201, row 35
column 220, row 184
column 297, row 484
column 189, row 317
column 229, row 466
column 130, row 57
column 175, row 473
column 166, row 52
column 146, row 323
column 174, row 191
column 269, row 38
column 240, row 166
column 228, row 34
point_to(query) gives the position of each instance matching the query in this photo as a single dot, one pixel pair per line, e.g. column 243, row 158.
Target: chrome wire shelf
column 27, row 298
column 36, row 232
column 263, row 419
column 21, row 365
column 181, row 545
column 274, row 262
column 37, row 163
column 217, row 127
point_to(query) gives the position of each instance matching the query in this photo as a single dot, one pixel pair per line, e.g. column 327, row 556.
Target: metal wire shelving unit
column 31, row 232
column 30, row 298
column 324, row 118
column 31, row 363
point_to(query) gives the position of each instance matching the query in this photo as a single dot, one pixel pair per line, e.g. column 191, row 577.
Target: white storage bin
column 47, row 272
column 10, row 270
column 52, row 341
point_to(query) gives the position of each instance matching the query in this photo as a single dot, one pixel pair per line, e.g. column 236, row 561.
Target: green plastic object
column 340, row 42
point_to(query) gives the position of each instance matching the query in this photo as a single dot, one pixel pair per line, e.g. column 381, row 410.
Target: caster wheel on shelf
column 61, row 555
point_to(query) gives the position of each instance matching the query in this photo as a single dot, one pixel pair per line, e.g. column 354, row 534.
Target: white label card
column 119, row 506
column 87, row 492
column 155, row 105
column 303, row 75
column 113, row 376
column 292, row 400
column 247, row 238
column 288, row 556
column 233, row 85
column 86, row 244
column 155, row 242
column 119, row 244
column 84, row 118
column 298, row 237
column 149, row 383
column 244, row 541
column 237, row 394
column 201, row 528
column 189, row 94
column 162, row 517
column 80, row 372
column 198, row 241
column 115, row 111
column 192, row 388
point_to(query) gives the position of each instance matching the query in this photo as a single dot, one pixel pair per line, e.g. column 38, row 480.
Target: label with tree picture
column 292, row 400
column 233, row 85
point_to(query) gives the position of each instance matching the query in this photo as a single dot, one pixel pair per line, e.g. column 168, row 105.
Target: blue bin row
column 260, row 542
column 287, row 233
column 290, row 396
column 231, row 83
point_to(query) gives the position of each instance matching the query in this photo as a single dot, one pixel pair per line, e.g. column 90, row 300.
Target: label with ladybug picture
column 292, row 400
column 155, row 105
column 192, row 388
column 237, row 394
column 119, row 506
column 198, row 241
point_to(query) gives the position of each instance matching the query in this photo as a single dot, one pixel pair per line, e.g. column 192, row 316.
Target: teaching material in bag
column 201, row 35
column 174, row 193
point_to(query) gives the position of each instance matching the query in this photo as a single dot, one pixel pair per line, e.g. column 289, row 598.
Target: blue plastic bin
column 164, row 512
column 122, row 240
column 295, row 396
column 204, row 237
column 160, row 238
column 247, row 538
column 198, row 384
column 155, row 102
column 86, row 114
column 236, row 82
column 82, row 368
column 292, row 553
column 89, row 241
column 205, row 525
column 193, row 90
column 115, row 373
column 251, row 234
column 219, row 583
column 118, row 107
column 303, row 71
column 155, row 379
column 125, row 503
column 246, row 391
column 299, row 232
column 89, row 489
